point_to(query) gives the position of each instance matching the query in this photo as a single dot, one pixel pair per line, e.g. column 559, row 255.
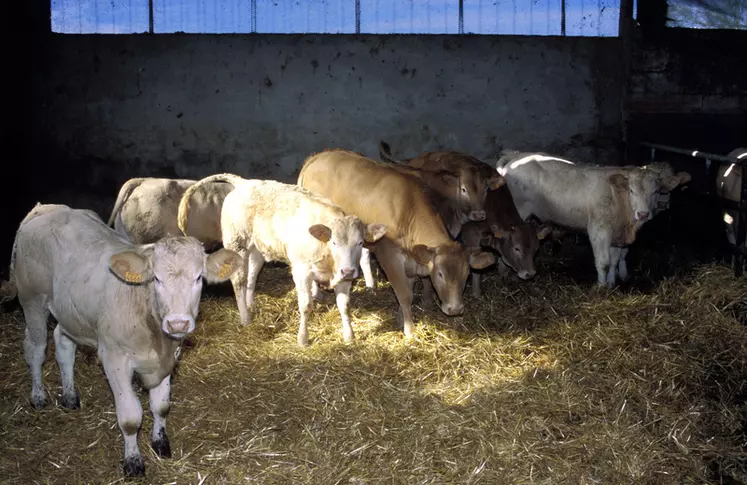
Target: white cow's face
column 174, row 268
column 344, row 240
column 644, row 190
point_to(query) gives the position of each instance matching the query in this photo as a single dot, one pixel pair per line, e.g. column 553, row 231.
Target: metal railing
column 739, row 250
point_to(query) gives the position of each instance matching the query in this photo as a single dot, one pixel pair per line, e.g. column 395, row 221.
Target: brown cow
column 464, row 179
column 416, row 243
column 516, row 240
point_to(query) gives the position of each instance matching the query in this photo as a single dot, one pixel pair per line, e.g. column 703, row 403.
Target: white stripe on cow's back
column 742, row 155
column 534, row 158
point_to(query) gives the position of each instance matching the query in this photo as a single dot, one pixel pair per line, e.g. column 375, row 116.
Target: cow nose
column 178, row 324
column 477, row 216
column 453, row 309
column 527, row 275
column 641, row 215
column 347, row 273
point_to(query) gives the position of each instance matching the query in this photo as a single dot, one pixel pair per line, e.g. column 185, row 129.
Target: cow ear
column 619, row 181
column 422, row 254
column 543, row 231
column 671, row 182
column 496, row 181
column 131, row 267
column 220, row 265
column 374, row 232
column 499, row 232
column 480, row 260
column 321, row 232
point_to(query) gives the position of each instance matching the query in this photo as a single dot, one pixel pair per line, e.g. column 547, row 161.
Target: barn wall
column 109, row 107
column 687, row 88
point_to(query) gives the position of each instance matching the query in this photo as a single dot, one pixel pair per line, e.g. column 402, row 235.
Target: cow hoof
column 134, row 467
column 38, row 402
column 161, row 446
column 71, row 402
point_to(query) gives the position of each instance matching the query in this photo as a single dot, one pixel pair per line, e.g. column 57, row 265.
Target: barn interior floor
column 548, row 381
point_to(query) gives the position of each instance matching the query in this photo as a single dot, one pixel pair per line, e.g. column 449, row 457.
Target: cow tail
column 385, row 153
column 124, row 194
column 8, row 289
column 185, row 202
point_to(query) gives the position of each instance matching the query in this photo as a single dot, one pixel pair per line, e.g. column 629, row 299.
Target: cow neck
column 426, row 227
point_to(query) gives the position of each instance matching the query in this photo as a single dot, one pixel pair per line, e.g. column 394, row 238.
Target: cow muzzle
column 178, row 325
column 348, row 273
column 453, row 309
column 526, row 275
column 477, row 215
column 641, row 215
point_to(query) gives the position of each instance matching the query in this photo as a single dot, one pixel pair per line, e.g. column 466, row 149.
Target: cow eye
column 156, row 279
column 440, row 275
column 360, row 243
column 199, row 278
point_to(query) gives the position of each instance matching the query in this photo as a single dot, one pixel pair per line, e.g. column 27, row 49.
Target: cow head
column 646, row 185
column 517, row 245
column 448, row 267
column 174, row 268
column 344, row 241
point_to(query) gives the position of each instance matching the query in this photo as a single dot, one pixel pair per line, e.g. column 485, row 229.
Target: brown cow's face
column 176, row 267
column 344, row 240
column 448, row 267
column 518, row 246
column 472, row 189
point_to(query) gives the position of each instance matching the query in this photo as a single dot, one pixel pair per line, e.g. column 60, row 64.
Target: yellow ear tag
column 131, row 277
column 224, row 271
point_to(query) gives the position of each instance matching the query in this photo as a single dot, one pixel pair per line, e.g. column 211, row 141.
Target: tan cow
column 265, row 220
column 416, row 244
column 133, row 303
column 146, row 210
column 729, row 186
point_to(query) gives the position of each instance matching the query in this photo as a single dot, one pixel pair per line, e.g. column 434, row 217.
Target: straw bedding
column 542, row 382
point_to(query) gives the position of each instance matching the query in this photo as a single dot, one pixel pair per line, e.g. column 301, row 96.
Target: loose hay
column 539, row 382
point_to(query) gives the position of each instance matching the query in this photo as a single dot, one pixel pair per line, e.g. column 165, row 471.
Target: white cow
column 729, row 186
column 266, row 220
column 146, row 210
column 609, row 203
column 133, row 303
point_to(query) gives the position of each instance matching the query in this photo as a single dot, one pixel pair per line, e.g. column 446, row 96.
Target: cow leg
column 476, row 290
column 600, row 245
column 160, row 405
column 612, row 271
column 426, row 299
column 622, row 266
column 302, row 279
column 129, row 411
column 342, row 295
column 392, row 261
column 255, row 262
column 366, row 268
column 35, row 346
column 238, row 281
column 64, row 351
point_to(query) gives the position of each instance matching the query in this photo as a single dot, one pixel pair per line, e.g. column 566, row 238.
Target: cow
column 729, row 186
column 133, row 303
column 513, row 238
column 416, row 243
column 266, row 220
column 146, row 210
column 458, row 177
column 609, row 203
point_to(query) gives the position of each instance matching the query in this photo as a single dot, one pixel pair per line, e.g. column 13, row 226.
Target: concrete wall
column 111, row 107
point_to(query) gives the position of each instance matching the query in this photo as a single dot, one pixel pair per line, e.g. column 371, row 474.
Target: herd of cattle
column 133, row 292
